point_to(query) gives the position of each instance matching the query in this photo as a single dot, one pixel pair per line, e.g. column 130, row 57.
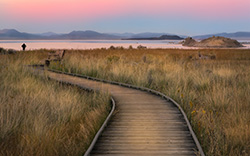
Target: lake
column 93, row 44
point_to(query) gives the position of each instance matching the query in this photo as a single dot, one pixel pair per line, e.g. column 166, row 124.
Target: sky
column 183, row 17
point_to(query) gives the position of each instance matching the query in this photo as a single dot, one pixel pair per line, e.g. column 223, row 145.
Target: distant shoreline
column 149, row 39
column 96, row 44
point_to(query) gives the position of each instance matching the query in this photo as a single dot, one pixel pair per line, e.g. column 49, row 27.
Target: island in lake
column 163, row 37
column 212, row 42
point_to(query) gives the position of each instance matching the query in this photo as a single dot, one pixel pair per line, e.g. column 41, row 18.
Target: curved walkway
column 143, row 124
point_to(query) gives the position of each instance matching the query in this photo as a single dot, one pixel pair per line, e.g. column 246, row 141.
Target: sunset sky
column 189, row 17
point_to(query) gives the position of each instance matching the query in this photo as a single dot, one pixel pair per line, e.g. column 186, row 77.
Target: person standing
column 23, row 46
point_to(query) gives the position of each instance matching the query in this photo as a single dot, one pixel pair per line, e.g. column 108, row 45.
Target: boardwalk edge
column 91, row 146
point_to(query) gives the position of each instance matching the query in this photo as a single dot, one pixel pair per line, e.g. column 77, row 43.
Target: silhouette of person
column 23, row 46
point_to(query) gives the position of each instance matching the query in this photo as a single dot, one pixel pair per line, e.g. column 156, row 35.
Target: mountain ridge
column 235, row 35
column 6, row 34
column 13, row 34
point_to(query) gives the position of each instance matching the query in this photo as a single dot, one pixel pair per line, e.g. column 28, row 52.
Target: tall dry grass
column 42, row 117
column 215, row 94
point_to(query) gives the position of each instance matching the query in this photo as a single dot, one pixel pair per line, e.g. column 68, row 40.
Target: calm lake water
column 93, row 44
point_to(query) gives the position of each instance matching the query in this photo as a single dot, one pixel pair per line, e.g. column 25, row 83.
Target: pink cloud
column 48, row 10
column 54, row 10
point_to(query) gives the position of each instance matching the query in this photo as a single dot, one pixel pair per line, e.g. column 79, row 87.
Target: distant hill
column 212, row 42
column 9, row 34
column 87, row 35
column 163, row 37
column 6, row 34
column 236, row 35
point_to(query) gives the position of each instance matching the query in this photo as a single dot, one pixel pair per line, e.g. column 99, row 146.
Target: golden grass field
column 215, row 94
column 42, row 117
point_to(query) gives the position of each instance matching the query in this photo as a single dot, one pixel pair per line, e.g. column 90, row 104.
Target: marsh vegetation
column 215, row 94
column 43, row 117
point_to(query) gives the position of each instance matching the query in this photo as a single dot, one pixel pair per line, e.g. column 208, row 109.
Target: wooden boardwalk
column 144, row 124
